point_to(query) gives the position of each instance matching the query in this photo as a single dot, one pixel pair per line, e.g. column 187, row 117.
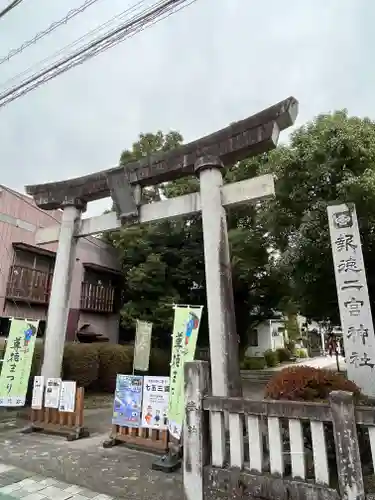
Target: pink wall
column 20, row 207
column 14, row 206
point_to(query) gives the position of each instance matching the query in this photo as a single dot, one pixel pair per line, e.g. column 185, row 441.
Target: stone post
column 225, row 369
column 349, row 468
column 58, row 309
column 196, row 432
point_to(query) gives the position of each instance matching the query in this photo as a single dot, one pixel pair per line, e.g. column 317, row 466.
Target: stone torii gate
column 205, row 157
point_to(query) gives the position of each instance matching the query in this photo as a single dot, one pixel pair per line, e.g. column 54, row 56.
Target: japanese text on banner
column 15, row 373
column 185, row 334
column 155, row 402
column 352, row 292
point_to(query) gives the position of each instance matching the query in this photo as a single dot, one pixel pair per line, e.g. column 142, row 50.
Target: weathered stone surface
column 249, row 137
column 226, row 484
column 118, row 472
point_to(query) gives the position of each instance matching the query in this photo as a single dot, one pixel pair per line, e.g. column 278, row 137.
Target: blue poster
column 127, row 406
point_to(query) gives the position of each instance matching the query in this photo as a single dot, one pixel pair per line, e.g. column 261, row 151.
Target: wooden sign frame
column 142, row 438
column 68, row 424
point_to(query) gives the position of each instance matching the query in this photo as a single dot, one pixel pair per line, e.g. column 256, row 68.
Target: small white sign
column 155, row 402
column 353, row 298
column 68, row 396
column 38, row 393
column 52, row 394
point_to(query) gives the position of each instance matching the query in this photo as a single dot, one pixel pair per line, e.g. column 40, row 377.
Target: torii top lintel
column 254, row 135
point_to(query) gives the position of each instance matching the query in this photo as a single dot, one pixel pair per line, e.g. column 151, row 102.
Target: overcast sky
column 213, row 63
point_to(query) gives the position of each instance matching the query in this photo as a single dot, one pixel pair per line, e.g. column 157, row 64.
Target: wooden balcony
column 97, row 298
column 29, row 285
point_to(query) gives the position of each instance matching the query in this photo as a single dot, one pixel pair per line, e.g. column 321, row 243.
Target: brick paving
column 17, row 483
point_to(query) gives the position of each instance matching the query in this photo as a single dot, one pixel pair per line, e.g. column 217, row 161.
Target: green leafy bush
column 284, row 354
column 271, row 357
column 291, row 346
column 81, row 363
column 159, row 362
column 254, row 363
column 95, row 366
column 113, row 359
column 301, row 353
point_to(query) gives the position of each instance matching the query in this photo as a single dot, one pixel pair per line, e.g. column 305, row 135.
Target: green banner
column 142, row 346
column 185, row 334
column 15, row 372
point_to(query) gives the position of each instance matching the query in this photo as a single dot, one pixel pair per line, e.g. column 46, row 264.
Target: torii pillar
column 221, row 315
column 58, row 309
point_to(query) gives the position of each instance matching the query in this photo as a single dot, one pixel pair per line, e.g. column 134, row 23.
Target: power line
column 76, row 42
column 149, row 17
column 70, row 15
column 10, row 7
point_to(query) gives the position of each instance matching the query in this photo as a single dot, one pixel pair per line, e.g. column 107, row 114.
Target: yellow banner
column 15, row 372
column 185, row 334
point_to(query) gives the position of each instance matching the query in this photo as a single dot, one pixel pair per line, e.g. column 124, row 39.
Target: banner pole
column 184, row 339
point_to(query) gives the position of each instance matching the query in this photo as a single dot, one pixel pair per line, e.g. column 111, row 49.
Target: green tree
column 330, row 159
column 163, row 262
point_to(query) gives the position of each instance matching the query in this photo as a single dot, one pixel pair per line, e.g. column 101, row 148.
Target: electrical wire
column 94, row 31
column 70, row 15
column 149, row 17
column 136, row 18
column 10, row 7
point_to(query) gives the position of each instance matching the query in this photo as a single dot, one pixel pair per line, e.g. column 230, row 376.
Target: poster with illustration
column 155, row 402
column 127, row 405
column 184, row 340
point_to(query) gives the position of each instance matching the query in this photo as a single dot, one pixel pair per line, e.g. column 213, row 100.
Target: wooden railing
column 274, row 449
column 97, row 298
column 29, row 284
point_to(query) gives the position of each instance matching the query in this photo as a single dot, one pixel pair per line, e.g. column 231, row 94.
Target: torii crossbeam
column 205, row 157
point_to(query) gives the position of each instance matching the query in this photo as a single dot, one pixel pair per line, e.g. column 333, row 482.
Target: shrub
column 159, row 362
column 36, row 366
column 113, row 359
column 304, row 383
column 284, row 354
column 81, row 363
column 291, row 346
column 271, row 357
column 301, row 353
column 254, row 363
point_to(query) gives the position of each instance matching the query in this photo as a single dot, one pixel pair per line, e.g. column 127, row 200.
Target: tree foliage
column 280, row 250
column 163, row 262
column 328, row 160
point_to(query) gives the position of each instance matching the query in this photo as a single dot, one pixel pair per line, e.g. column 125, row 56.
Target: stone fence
column 274, row 450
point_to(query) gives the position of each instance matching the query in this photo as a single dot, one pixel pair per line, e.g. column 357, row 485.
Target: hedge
column 112, row 359
column 272, row 358
column 253, row 363
column 95, row 366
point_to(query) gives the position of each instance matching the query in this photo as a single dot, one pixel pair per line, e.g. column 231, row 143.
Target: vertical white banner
column 353, row 298
column 142, row 346
column 38, row 393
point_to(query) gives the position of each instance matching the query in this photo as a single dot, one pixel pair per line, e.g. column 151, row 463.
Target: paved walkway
column 17, row 483
column 118, row 472
column 326, row 362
